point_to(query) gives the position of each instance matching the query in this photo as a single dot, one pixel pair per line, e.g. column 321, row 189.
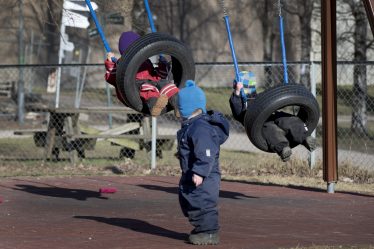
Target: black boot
column 204, row 238
column 310, row 143
column 173, row 100
column 285, row 154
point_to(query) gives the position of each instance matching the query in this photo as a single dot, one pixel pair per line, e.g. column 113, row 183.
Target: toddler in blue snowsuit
column 199, row 141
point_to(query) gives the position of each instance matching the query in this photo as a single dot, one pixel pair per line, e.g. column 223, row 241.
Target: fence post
column 312, row 155
column 21, row 83
column 107, row 89
column 153, row 143
column 154, row 119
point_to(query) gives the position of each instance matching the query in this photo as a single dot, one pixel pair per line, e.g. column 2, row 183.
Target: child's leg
column 199, row 204
column 310, row 143
column 296, row 131
column 294, row 127
column 276, row 139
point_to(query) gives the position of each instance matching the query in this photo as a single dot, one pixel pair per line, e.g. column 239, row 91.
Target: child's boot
column 171, row 91
column 204, row 238
column 155, row 102
column 156, row 105
column 285, row 154
column 173, row 100
column 310, row 143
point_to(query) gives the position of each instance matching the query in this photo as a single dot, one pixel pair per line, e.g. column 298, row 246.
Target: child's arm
column 163, row 68
column 111, row 69
column 238, row 107
column 205, row 150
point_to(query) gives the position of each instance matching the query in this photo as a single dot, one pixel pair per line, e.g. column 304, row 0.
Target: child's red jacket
column 146, row 72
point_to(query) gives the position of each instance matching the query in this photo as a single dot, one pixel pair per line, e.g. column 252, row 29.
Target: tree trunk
column 268, row 36
column 359, row 108
column 305, row 18
column 52, row 27
column 140, row 22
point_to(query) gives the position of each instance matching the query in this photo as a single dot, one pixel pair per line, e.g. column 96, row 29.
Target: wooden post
column 329, row 85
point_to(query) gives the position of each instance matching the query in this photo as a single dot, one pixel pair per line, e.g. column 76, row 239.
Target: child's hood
column 126, row 39
column 220, row 123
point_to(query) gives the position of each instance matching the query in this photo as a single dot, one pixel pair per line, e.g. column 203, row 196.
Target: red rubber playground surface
column 144, row 213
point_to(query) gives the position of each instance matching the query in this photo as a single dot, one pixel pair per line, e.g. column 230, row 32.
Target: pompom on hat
column 126, row 39
column 191, row 98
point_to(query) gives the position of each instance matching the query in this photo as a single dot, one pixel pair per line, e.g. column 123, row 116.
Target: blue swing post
column 154, row 119
column 232, row 48
column 99, row 29
column 227, row 23
column 281, row 31
column 107, row 49
column 233, row 55
column 150, row 16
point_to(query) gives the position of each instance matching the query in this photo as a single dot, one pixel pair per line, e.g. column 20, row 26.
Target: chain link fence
column 90, row 125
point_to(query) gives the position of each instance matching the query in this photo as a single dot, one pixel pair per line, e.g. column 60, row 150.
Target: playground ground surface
column 70, row 212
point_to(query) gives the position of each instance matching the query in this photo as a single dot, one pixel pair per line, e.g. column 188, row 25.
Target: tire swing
column 281, row 97
column 152, row 44
column 183, row 66
column 293, row 96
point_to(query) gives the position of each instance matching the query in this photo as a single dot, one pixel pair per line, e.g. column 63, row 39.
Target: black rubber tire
column 183, row 65
column 276, row 98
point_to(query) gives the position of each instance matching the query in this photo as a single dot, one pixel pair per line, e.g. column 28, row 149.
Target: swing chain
column 279, row 5
column 224, row 8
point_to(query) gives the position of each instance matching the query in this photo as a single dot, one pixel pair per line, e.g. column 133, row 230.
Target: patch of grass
column 349, row 140
column 344, row 99
column 235, row 165
column 218, row 99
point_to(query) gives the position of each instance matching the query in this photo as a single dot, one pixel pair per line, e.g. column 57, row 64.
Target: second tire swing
column 296, row 97
column 304, row 105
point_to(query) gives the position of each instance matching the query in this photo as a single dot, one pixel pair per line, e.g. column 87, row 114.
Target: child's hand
column 162, row 59
column 109, row 56
column 198, row 180
column 238, row 87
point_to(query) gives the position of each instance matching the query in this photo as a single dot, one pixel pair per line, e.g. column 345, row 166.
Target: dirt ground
column 69, row 212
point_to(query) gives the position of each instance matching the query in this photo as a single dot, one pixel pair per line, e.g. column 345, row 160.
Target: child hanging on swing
column 280, row 130
column 156, row 87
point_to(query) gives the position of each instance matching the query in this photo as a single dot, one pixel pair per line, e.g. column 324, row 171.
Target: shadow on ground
column 174, row 190
column 311, row 189
column 138, row 226
column 52, row 191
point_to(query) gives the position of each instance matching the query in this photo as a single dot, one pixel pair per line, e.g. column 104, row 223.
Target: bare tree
column 304, row 12
column 52, row 26
column 359, row 91
column 140, row 22
column 266, row 14
column 186, row 19
column 9, row 31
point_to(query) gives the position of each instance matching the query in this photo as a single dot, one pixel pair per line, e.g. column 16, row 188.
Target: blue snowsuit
column 199, row 142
